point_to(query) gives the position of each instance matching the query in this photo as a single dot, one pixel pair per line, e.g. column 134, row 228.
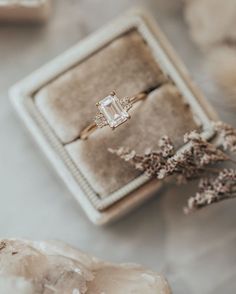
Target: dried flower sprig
column 186, row 164
column 152, row 162
column 227, row 135
column 213, row 190
column 193, row 161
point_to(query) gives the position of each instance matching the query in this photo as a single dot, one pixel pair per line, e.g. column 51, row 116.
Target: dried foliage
column 185, row 164
column 193, row 161
column 213, row 190
column 227, row 136
column 152, row 162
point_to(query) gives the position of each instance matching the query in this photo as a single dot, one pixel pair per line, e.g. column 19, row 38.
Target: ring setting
column 112, row 111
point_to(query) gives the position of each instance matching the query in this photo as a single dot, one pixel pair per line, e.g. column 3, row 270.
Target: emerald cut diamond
column 113, row 111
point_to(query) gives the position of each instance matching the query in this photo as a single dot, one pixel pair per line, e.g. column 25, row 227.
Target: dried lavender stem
column 195, row 159
column 188, row 210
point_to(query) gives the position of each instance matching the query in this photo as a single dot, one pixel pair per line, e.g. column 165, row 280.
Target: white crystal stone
column 113, row 111
column 53, row 267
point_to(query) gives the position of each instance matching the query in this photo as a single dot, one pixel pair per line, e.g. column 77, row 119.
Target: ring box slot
column 125, row 64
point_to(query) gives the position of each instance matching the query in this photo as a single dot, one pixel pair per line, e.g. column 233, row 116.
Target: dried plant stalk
column 227, row 136
column 152, row 162
column 213, row 190
column 193, row 161
column 165, row 162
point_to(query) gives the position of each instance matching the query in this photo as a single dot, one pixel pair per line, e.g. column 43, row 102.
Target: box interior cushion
column 125, row 65
column 163, row 112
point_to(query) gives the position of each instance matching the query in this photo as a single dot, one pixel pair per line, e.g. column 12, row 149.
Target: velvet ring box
column 130, row 55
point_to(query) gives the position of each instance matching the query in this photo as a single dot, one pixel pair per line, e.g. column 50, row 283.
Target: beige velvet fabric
column 125, row 65
column 164, row 112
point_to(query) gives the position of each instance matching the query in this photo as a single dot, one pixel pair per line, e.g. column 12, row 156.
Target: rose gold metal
column 138, row 97
column 87, row 131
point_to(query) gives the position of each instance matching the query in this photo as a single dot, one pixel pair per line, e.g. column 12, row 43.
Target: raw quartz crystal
column 52, row 267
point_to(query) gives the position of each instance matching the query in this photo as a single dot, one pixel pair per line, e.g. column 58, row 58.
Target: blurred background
column 196, row 253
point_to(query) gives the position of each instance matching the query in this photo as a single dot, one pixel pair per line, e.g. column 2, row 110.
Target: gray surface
column 196, row 253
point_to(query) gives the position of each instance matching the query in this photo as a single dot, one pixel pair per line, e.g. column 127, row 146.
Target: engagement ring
column 112, row 111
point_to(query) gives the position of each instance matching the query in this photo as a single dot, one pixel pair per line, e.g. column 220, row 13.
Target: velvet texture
column 127, row 66
column 162, row 113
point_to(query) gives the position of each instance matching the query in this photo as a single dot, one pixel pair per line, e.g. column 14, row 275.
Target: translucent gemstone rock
column 119, row 279
column 52, row 267
column 113, row 111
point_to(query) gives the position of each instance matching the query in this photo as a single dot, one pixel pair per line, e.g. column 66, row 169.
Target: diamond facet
column 113, row 111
